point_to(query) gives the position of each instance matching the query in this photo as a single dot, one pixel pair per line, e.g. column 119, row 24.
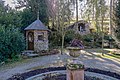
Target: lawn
column 108, row 53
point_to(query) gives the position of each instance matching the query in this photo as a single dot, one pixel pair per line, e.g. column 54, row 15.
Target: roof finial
column 38, row 15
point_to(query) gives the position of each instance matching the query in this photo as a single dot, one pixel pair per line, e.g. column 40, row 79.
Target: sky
column 10, row 2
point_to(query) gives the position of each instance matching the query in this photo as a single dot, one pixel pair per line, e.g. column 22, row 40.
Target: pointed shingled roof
column 36, row 25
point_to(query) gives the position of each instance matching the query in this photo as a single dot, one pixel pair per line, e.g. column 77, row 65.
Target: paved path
column 88, row 58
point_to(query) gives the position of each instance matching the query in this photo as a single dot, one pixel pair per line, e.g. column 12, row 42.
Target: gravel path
column 88, row 58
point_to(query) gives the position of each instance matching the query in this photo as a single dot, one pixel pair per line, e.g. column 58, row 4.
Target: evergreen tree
column 12, row 41
column 30, row 11
column 117, row 20
column 9, row 16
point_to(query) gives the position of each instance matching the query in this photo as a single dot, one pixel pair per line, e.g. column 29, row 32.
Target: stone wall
column 40, row 44
column 87, row 30
column 75, row 27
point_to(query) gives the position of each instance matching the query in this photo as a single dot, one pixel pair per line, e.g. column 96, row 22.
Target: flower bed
column 26, row 75
column 63, row 77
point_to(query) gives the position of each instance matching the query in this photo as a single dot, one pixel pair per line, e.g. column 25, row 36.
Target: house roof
column 36, row 25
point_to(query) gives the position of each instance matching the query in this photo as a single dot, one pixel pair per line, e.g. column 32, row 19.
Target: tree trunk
column 62, row 25
column 63, row 36
column 110, row 26
column 96, row 16
column 76, row 10
column 102, row 35
column 76, row 15
column 102, row 31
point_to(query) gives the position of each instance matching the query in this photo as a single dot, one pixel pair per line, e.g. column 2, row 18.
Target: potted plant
column 75, row 47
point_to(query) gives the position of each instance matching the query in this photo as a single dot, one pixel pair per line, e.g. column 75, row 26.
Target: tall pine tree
column 117, row 20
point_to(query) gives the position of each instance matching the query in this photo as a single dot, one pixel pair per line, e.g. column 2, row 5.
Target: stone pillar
column 75, row 72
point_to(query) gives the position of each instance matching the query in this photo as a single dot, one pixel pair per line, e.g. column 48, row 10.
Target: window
column 41, row 37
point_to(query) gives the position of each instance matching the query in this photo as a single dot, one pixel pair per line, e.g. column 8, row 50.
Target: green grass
column 112, row 56
column 108, row 53
column 12, row 64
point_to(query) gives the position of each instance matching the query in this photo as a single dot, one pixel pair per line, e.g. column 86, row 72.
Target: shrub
column 88, row 37
column 55, row 39
column 11, row 43
column 92, row 40
column 70, row 35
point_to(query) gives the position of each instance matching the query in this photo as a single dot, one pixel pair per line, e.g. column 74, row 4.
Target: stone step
column 29, row 53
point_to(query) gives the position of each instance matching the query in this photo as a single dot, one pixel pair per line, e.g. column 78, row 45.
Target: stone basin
column 74, row 51
column 40, row 74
